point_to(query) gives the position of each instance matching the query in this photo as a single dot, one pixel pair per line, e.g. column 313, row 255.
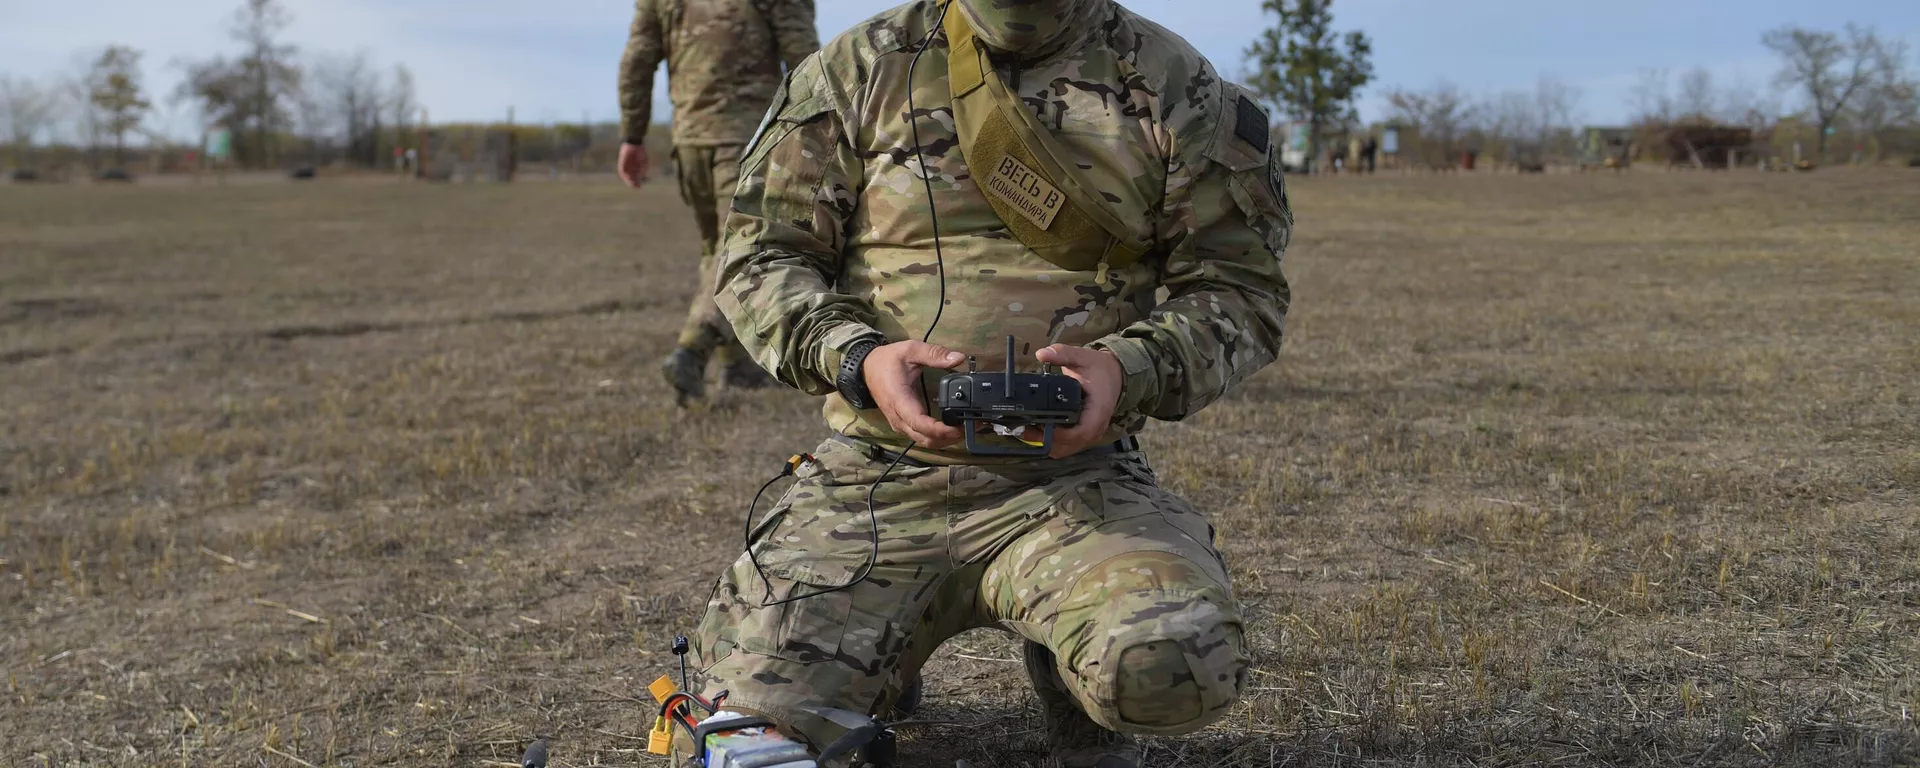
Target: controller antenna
column 1009, row 390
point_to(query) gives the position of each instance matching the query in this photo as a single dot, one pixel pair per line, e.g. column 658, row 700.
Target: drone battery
column 753, row 747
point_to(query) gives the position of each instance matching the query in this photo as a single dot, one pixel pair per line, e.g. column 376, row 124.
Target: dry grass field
column 1570, row 470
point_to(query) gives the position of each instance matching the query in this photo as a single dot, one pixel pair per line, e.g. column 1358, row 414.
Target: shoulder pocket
column 1242, row 131
column 797, row 102
column 782, row 167
column 1243, row 145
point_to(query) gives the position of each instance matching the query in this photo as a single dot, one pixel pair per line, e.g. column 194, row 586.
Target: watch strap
column 852, row 381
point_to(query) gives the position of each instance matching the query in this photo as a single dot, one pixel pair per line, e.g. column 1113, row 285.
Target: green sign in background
column 219, row 144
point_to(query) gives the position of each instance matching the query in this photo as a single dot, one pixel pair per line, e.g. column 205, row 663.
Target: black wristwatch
column 852, row 382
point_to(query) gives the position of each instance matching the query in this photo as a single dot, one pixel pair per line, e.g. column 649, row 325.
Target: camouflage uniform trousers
column 707, row 176
column 1086, row 555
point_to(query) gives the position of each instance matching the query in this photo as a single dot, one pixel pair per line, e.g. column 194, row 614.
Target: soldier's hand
column 1100, row 377
column 892, row 373
column 633, row 164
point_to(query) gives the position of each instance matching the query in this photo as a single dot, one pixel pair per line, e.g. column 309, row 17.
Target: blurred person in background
column 725, row 60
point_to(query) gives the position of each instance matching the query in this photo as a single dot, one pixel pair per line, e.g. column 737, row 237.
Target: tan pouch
column 1045, row 203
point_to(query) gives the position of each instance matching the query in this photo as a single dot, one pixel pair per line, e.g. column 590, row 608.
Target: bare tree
column 1830, row 72
column 1531, row 127
column 1892, row 95
column 350, row 89
column 28, row 110
column 1558, row 102
column 1742, row 102
column 1698, row 98
column 1439, row 116
column 312, row 122
column 1652, row 97
column 1510, row 124
column 267, row 63
column 76, row 94
column 1556, row 105
column 402, row 102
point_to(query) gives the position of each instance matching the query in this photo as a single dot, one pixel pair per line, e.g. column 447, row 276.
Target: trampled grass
column 1567, row 469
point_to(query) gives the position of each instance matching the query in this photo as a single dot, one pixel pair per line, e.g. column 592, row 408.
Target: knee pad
column 1163, row 661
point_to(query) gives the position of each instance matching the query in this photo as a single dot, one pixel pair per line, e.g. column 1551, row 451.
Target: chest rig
column 1042, row 197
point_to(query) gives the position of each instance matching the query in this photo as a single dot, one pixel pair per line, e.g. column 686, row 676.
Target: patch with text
column 1026, row 191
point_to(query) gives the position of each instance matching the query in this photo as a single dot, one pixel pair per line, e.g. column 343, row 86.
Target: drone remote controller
column 1017, row 400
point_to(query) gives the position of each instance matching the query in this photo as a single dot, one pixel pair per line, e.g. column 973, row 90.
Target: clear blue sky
column 555, row 59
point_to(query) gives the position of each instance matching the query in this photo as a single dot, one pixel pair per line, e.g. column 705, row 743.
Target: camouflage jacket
column 723, row 64
column 830, row 241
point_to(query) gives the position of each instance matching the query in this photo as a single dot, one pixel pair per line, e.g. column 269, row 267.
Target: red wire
column 674, row 708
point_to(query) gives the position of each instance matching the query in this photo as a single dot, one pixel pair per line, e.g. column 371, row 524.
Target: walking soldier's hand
column 633, row 164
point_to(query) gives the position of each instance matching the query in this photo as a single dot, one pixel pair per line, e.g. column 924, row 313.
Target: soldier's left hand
column 633, row 165
column 1100, row 377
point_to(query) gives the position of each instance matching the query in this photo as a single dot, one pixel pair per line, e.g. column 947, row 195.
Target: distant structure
column 1390, row 146
column 1708, row 146
column 1607, row 147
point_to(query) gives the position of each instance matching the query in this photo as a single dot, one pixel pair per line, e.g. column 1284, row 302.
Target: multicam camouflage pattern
column 707, row 177
column 1030, row 27
column 830, row 240
column 724, row 61
column 1086, row 555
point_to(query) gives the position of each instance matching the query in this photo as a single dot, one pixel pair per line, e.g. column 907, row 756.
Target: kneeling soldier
column 1079, row 159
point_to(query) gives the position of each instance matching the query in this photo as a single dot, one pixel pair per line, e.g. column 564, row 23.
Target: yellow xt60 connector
column 662, row 688
column 796, row 461
column 660, row 739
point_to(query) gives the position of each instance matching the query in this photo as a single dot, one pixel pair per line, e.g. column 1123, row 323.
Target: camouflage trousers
column 1086, row 555
column 707, row 176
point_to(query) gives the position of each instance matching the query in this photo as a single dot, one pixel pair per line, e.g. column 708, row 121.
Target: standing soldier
column 939, row 177
column 724, row 60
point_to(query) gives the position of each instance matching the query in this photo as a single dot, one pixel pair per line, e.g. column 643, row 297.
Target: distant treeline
column 573, row 147
column 1837, row 97
column 589, row 146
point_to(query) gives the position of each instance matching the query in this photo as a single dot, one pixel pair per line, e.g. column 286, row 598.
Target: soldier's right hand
column 892, row 373
column 633, row 164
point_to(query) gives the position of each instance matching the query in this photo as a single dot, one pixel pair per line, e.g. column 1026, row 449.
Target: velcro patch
column 1027, row 192
column 1250, row 124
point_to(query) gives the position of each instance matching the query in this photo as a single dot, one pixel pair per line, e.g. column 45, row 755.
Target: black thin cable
column 926, row 178
column 873, row 541
column 747, row 534
column 940, row 263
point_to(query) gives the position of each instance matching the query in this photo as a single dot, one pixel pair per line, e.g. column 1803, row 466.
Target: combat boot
column 686, row 371
column 910, row 697
column 1073, row 739
column 744, row 373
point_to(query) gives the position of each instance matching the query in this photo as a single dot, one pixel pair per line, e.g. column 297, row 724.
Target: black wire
column 940, row 262
column 747, row 535
column 873, row 544
column 683, row 699
column 926, row 178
